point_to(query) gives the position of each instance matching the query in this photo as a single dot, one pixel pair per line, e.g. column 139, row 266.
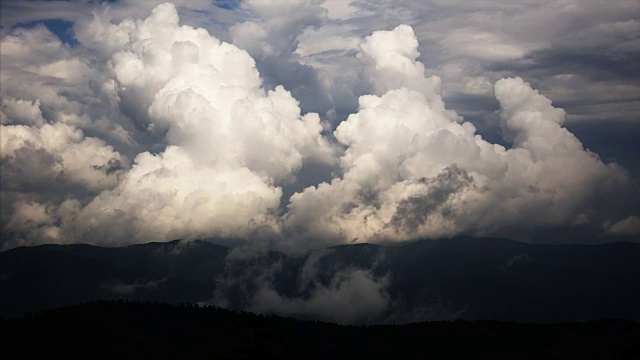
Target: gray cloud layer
column 150, row 129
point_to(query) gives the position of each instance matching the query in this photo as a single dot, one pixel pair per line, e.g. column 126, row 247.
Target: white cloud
column 21, row 112
column 352, row 297
column 29, row 215
column 253, row 281
column 392, row 62
column 230, row 143
column 214, row 141
column 65, row 154
column 339, row 9
column 410, row 170
column 32, row 222
column 478, row 85
column 271, row 36
column 58, row 82
column 317, row 45
column 275, row 31
column 483, row 45
column 629, row 226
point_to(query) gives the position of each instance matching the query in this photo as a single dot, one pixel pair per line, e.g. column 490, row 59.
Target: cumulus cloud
column 411, row 170
column 229, row 142
column 534, row 40
column 152, row 130
column 46, row 81
column 22, row 112
column 390, row 57
column 271, row 37
column 33, row 221
column 51, row 102
column 41, row 157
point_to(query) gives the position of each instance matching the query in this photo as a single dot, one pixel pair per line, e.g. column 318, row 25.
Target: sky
column 303, row 124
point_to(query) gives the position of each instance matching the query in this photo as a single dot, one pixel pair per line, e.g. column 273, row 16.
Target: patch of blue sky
column 61, row 28
column 227, row 4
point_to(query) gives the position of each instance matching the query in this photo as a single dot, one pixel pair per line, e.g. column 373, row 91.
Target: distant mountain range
column 460, row 278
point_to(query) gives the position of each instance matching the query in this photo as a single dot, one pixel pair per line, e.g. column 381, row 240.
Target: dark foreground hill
column 460, row 278
column 120, row 330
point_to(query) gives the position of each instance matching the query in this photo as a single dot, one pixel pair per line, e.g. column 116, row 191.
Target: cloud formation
column 311, row 285
column 149, row 130
column 271, row 37
column 411, row 169
column 229, row 143
column 580, row 54
column 352, row 297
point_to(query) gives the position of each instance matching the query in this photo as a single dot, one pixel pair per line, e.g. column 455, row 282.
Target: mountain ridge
column 463, row 277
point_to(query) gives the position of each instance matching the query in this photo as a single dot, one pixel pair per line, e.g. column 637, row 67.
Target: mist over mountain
column 460, row 278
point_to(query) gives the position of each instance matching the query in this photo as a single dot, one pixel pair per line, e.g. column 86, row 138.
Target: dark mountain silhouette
column 459, row 278
column 125, row 330
column 46, row 276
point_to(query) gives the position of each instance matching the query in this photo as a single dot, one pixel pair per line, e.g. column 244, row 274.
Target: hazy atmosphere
column 296, row 125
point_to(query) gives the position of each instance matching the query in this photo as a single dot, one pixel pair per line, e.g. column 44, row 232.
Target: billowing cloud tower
column 412, row 169
column 150, row 130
